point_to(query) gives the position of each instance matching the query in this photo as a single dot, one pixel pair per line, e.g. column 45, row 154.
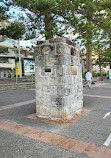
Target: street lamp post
column 19, row 58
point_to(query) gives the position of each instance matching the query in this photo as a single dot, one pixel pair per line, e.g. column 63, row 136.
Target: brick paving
column 65, row 123
column 97, row 96
column 17, row 104
column 78, row 146
column 65, row 142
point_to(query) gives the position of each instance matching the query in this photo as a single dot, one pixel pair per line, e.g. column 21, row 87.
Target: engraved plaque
column 74, row 70
column 47, row 70
column 46, row 50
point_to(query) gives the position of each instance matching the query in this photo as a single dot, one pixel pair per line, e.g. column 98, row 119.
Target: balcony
column 7, row 65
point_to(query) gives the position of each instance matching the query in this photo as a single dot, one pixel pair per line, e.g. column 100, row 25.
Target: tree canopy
column 45, row 16
column 3, row 16
column 56, row 17
column 14, row 30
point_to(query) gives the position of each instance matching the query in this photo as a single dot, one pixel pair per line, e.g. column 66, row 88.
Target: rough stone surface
column 58, row 79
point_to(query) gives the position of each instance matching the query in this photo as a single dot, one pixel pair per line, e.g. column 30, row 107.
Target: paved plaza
column 88, row 135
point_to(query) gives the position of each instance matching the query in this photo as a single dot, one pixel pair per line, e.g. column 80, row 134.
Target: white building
column 9, row 54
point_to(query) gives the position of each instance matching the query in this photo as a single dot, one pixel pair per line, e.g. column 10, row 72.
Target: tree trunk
column 88, row 60
column 48, row 26
column 101, row 77
column 110, row 50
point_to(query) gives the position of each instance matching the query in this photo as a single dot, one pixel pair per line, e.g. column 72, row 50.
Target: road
column 23, row 136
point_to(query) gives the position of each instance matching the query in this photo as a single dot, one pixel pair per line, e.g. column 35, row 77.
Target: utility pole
column 19, row 58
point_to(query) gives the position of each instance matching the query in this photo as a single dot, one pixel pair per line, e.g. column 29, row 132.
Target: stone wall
column 14, row 86
column 58, row 79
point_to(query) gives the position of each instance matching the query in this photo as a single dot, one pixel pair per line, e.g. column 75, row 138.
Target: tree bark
column 88, row 59
column 110, row 40
column 101, row 77
column 48, row 26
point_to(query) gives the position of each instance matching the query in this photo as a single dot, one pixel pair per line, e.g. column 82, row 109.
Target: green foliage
column 102, row 18
column 3, row 15
column 14, row 30
column 30, row 35
column 83, row 75
column 55, row 17
column 95, row 74
column 105, row 73
column 38, row 17
column 43, row 5
column 34, row 5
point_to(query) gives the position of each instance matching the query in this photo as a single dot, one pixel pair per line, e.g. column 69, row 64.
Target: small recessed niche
column 73, row 51
column 47, row 70
column 74, row 70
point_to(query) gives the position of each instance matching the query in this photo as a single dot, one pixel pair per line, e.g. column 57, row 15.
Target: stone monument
column 58, row 77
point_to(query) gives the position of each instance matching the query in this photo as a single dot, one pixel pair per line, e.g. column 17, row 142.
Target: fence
column 7, row 78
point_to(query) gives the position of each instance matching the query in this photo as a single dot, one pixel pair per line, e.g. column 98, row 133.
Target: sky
column 16, row 11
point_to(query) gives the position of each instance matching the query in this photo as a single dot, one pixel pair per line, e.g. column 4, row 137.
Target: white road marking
column 107, row 114
column 108, row 141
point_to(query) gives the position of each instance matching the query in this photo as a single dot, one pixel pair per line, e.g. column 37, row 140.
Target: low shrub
column 83, row 75
column 105, row 73
column 95, row 74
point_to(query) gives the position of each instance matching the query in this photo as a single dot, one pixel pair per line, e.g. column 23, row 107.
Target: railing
column 6, row 77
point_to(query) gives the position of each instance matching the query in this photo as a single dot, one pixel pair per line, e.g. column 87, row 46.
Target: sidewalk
column 85, row 136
